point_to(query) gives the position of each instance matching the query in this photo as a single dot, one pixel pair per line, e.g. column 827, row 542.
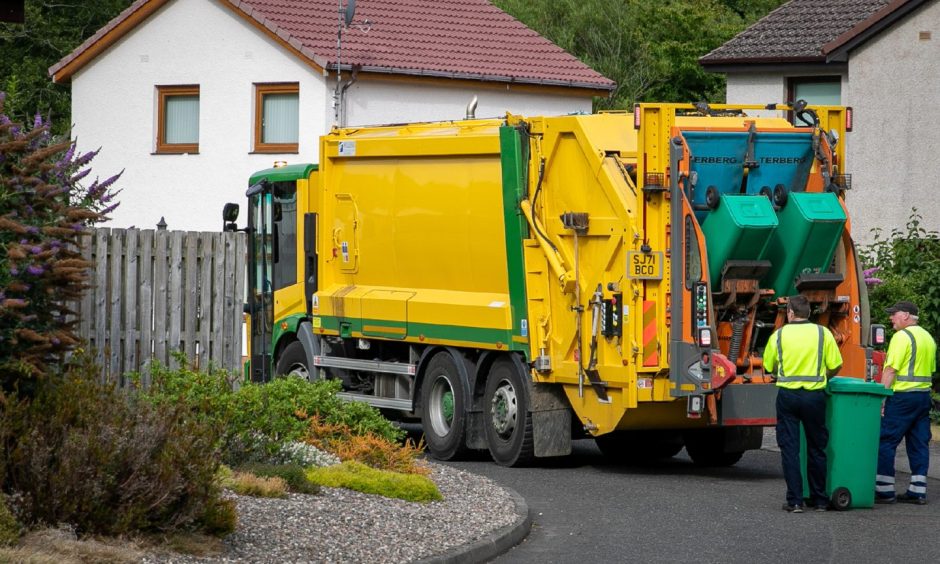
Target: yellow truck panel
column 518, row 282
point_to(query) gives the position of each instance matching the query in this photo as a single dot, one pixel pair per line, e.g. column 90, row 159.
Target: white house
column 880, row 58
column 189, row 97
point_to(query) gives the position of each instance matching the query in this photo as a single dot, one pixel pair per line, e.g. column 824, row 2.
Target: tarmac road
column 586, row 510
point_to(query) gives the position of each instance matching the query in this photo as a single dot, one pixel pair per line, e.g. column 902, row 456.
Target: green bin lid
column 846, row 385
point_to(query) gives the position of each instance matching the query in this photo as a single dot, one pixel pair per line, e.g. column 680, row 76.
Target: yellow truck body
column 518, row 282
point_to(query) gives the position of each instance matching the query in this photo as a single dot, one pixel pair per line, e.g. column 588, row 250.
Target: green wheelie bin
column 853, row 417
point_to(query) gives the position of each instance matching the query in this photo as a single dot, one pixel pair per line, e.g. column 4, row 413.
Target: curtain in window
column 182, row 119
column 280, row 118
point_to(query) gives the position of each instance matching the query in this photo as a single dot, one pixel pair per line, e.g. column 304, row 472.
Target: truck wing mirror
column 878, row 336
column 229, row 215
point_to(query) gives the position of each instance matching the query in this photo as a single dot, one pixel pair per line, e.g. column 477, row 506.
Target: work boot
column 792, row 508
column 908, row 498
column 886, row 500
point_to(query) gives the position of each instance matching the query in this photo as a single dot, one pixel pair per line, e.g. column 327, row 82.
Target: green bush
column 359, row 477
column 99, row 459
column 9, row 528
column 905, row 265
column 44, row 211
column 261, row 420
column 292, row 474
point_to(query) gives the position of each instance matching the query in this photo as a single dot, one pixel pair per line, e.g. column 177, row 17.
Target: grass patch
column 244, row 483
column 292, row 474
column 58, row 546
column 359, row 477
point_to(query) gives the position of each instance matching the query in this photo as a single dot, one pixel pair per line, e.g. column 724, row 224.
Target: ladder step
column 365, row 365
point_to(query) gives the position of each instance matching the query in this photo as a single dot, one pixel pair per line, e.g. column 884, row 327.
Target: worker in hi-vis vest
column 908, row 369
column 803, row 355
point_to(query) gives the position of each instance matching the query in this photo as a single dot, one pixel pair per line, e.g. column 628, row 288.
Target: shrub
column 261, row 421
column 292, row 474
column 245, row 483
column 278, row 412
column 92, row 456
column 9, row 528
column 304, row 455
column 905, row 265
column 372, row 450
column 44, row 211
column 359, row 477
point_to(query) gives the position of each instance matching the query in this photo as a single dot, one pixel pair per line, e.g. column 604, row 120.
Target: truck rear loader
column 516, row 283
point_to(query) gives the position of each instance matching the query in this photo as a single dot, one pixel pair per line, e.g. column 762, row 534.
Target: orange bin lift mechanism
column 650, row 340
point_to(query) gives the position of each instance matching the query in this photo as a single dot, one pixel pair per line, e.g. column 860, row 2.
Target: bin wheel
column 841, row 499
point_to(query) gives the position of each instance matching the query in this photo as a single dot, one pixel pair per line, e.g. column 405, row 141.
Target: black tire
column 507, row 421
column 293, row 362
column 638, row 447
column 706, row 448
column 444, row 408
column 841, row 499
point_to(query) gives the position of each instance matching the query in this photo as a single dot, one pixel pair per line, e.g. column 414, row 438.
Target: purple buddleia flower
column 83, row 160
column 35, row 249
column 79, row 175
column 32, row 230
column 37, row 121
column 67, row 157
column 35, row 269
column 14, row 270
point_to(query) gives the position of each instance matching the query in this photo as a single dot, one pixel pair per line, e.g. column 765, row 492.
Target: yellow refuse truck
column 517, row 283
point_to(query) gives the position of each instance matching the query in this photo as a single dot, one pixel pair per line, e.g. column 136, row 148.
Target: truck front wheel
column 293, row 362
column 508, row 423
column 443, row 408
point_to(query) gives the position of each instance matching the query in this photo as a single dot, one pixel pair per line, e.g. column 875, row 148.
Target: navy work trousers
column 907, row 416
column 809, row 408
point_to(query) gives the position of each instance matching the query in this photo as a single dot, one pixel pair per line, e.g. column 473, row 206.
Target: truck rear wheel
column 444, row 408
column 507, row 421
column 293, row 362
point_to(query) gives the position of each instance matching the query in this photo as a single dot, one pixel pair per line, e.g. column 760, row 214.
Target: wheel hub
column 503, row 409
column 441, row 406
column 298, row 370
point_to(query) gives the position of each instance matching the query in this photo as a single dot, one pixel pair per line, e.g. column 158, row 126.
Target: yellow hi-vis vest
column 913, row 355
column 811, row 352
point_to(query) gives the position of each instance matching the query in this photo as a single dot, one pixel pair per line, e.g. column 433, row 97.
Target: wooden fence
column 158, row 291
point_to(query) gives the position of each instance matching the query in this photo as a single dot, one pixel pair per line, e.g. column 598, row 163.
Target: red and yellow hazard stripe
column 650, row 339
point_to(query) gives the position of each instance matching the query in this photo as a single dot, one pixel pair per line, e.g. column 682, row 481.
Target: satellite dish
column 350, row 12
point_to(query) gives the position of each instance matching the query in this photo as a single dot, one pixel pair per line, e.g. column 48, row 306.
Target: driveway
column 586, row 510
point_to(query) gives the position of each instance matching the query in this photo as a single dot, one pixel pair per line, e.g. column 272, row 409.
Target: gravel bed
column 345, row 526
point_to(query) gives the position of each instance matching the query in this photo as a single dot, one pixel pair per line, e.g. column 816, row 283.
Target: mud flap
column 748, row 404
column 551, row 420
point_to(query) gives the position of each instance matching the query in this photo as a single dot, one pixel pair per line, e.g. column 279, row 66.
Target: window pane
column 182, row 119
column 279, row 118
column 818, row 93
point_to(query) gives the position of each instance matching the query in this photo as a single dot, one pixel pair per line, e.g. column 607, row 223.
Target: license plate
column 645, row 266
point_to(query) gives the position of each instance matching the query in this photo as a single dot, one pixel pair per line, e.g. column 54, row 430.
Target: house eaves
column 808, row 31
column 838, row 49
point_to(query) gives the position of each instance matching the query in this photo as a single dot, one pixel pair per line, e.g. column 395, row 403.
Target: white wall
column 202, row 42
column 894, row 88
column 187, row 42
column 755, row 88
column 387, row 101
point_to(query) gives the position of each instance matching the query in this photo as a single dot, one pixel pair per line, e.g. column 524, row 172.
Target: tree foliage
column 905, row 265
column 44, row 211
column 52, row 30
column 650, row 49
